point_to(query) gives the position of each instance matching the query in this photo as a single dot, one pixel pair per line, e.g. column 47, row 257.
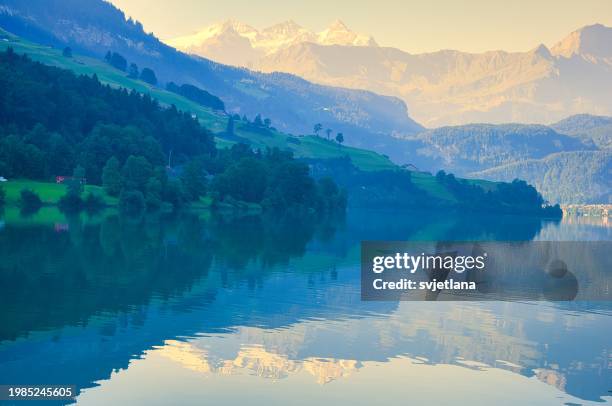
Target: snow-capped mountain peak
column 339, row 34
column 281, row 35
column 285, row 29
column 271, row 39
column 211, row 32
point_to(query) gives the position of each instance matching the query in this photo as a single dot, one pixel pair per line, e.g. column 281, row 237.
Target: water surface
column 207, row 309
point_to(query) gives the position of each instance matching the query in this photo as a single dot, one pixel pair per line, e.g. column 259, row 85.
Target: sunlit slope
column 307, row 147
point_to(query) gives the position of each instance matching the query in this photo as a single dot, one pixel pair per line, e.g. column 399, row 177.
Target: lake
column 225, row 309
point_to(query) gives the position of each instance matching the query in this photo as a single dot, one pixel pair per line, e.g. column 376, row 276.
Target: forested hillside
column 566, row 161
column 582, row 176
column 591, row 129
column 205, row 108
column 54, row 123
column 474, row 147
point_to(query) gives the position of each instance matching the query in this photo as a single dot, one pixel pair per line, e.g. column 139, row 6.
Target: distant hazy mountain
column 475, row 147
column 441, row 88
column 569, row 161
column 594, row 129
column 94, row 27
column 566, row 177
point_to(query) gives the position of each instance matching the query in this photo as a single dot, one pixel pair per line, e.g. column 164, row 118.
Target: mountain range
column 94, row 27
column 236, row 43
column 446, row 87
column 570, row 161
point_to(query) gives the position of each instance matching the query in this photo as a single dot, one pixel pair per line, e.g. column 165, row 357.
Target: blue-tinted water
column 204, row 309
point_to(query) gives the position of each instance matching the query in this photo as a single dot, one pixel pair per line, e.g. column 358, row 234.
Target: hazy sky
column 415, row 26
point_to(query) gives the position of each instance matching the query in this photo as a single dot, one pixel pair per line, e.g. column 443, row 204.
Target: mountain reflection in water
column 113, row 301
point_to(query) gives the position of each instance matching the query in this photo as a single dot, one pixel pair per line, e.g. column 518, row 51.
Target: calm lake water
column 201, row 309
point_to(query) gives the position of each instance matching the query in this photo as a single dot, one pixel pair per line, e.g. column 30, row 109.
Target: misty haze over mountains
column 447, row 87
column 570, row 161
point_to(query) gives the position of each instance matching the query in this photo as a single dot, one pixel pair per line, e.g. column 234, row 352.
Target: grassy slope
column 302, row 147
column 214, row 121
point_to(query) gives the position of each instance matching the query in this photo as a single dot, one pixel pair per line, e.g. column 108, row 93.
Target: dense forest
column 54, row 123
column 514, row 197
column 474, row 147
column 398, row 189
column 582, row 176
column 197, row 95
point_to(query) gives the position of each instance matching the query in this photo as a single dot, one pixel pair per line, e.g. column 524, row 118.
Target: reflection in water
column 258, row 361
column 581, row 228
column 237, row 300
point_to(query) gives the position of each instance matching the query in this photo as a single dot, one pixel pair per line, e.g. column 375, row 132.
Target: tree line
column 117, row 61
column 318, row 127
column 55, row 123
column 514, row 197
